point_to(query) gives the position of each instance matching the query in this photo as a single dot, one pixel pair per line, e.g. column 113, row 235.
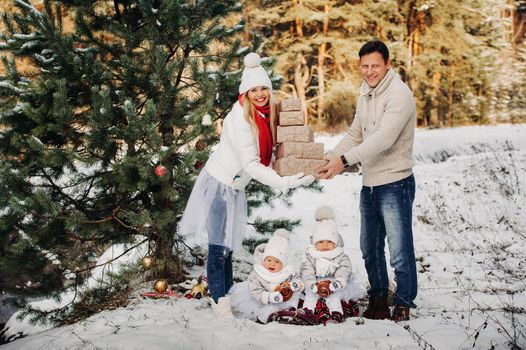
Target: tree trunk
column 450, row 97
column 298, row 21
column 301, row 77
column 321, row 65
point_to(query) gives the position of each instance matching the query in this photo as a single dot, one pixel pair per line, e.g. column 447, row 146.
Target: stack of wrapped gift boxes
column 296, row 151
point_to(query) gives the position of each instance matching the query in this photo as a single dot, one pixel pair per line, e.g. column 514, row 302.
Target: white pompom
column 252, row 60
column 281, row 232
column 324, row 213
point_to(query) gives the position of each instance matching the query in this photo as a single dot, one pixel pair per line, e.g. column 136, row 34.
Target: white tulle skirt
column 196, row 218
column 243, row 305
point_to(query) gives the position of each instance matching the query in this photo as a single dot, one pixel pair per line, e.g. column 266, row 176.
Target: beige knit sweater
column 382, row 133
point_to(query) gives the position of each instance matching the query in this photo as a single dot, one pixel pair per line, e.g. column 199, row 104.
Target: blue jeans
column 219, row 263
column 219, row 271
column 386, row 212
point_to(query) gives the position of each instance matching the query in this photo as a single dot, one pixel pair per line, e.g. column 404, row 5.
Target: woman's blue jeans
column 219, row 271
column 386, row 212
column 219, row 263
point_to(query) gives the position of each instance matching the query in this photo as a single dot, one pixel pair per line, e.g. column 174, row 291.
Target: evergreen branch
column 186, row 53
column 57, row 188
column 29, row 7
column 111, row 260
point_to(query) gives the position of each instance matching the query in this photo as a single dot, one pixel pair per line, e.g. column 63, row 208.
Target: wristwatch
column 346, row 164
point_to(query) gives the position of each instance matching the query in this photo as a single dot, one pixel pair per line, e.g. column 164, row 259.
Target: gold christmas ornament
column 199, row 290
column 160, row 286
column 147, row 262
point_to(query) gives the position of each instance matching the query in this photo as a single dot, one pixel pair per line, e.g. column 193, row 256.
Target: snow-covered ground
column 470, row 239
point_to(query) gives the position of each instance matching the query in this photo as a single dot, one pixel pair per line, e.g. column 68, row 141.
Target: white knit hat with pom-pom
column 278, row 246
column 325, row 227
column 254, row 74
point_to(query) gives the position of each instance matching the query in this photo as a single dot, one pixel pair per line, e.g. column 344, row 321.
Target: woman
column 218, row 204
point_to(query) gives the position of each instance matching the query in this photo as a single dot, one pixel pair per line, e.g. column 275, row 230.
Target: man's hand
column 331, row 169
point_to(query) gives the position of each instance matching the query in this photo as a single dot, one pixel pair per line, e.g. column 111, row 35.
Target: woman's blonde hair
column 248, row 112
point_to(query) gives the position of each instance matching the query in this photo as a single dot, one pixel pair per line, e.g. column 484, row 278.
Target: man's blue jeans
column 386, row 212
column 219, row 263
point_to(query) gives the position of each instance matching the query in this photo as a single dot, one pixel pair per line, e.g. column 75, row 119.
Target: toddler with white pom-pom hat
column 272, row 286
column 326, row 269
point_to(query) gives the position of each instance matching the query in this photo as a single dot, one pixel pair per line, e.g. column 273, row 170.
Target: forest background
column 464, row 61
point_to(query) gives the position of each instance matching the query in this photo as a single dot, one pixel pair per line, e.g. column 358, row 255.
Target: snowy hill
column 470, row 239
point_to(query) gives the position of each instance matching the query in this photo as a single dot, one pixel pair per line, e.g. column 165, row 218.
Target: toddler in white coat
column 271, row 286
column 326, row 269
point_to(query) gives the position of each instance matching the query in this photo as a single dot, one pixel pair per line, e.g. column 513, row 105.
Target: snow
column 469, row 219
column 30, row 44
column 7, row 85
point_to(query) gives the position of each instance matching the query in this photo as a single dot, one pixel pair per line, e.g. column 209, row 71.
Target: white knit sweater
column 382, row 133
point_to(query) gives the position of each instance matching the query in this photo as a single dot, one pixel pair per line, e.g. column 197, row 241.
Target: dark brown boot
column 400, row 313
column 378, row 308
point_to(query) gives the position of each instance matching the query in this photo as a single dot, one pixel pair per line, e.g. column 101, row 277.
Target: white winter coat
column 236, row 159
column 250, row 298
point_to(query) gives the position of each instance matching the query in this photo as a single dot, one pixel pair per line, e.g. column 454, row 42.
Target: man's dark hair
column 374, row 46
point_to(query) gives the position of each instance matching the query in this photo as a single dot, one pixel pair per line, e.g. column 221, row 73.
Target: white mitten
column 299, row 180
column 275, row 297
column 281, row 183
column 335, row 285
column 296, row 285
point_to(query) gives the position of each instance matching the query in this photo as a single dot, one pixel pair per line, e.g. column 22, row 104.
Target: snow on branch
column 29, row 7
column 6, row 85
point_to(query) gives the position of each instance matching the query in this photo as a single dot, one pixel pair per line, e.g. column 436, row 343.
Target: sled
column 321, row 314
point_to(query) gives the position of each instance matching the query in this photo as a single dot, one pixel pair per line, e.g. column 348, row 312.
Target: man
column 381, row 139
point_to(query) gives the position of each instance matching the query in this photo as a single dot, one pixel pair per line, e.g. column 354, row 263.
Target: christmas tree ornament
column 198, row 165
column 160, row 286
column 147, row 262
column 200, row 145
column 199, row 290
column 194, row 288
column 160, row 170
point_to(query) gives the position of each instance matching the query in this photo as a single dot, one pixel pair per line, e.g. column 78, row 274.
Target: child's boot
column 222, row 308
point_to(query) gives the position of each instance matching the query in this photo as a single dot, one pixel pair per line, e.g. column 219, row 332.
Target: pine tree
column 104, row 129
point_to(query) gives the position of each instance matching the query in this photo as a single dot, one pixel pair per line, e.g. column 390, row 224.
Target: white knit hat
column 325, row 227
column 278, row 246
column 253, row 74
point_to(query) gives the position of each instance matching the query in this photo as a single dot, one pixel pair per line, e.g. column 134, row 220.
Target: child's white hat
column 278, row 246
column 325, row 227
column 254, row 74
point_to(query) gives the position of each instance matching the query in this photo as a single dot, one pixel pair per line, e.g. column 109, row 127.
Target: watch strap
column 345, row 162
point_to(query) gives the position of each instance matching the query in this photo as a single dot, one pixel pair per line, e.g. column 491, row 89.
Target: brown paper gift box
column 291, row 118
column 295, row 134
column 290, row 104
column 305, row 150
column 291, row 166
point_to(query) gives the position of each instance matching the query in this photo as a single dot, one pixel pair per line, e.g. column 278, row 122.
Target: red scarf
column 265, row 136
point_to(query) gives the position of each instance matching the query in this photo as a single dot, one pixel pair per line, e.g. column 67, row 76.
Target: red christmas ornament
column 198, row 165
column 200, row 145
column 160, row 170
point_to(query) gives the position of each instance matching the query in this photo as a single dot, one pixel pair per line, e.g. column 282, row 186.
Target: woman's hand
column 299, row 180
